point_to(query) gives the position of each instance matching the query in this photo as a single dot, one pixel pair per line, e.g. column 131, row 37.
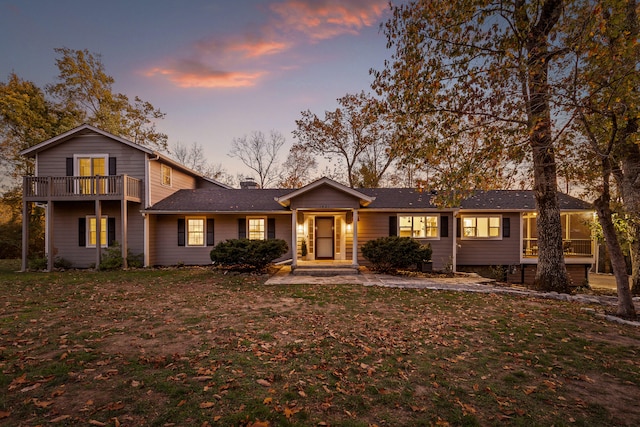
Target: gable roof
column 86, row 129
column 285, row 200
column 518, row 200
column 80, row 130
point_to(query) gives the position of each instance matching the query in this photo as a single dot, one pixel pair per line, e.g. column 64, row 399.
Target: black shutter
column 393, row 225
column 112, row 166
column 444, row 226
column 181, row 232
column 111, row 231
column 69, row 166
column 82, row 232
column 506, row 227
column 458, row 227
column 210, row 239
column 242, row 228
column 271, row 228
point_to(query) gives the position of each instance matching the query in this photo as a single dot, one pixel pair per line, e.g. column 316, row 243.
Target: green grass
column 191, row 346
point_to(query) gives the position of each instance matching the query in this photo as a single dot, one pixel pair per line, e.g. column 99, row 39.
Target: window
column 195, row 232
column 166, row 175
column 92, row 231
column 256, row 228
column 481, row 227
column 418, row 226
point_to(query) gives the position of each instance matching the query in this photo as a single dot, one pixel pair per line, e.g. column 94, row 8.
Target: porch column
column 454, row 255
column 98, row 232
column 49, row 230
column 26, row 215
column 294, row 238
column 146, row 237
column 355, row 238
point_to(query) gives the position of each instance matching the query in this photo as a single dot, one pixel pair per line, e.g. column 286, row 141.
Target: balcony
column 577, row 248
column 59, row 188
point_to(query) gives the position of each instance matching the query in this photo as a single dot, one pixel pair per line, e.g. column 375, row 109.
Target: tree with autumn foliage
column 483, row 68
column 355, row 134
column 603, row 94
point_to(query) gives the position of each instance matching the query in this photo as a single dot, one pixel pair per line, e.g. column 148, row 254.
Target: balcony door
column 89, row 167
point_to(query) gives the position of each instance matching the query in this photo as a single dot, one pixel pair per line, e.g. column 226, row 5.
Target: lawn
column 194, row 347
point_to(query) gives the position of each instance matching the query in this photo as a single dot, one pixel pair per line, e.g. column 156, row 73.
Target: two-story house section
column 94, row 187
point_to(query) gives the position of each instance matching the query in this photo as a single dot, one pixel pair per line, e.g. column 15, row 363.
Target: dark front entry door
column 324, row 237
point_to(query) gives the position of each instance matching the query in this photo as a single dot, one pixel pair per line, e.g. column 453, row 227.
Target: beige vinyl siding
column 164, row 235
column 324, row 197
column 492, row 251
column 179, row 181
column 65, row 230
column 373, row 225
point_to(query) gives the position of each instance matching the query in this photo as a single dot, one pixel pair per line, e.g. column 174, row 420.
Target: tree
column 604, row 96
column 483, row 65
column 260, row 154
column 85, row 89
column 297, row 169
column 194, row 158
column 356, row 133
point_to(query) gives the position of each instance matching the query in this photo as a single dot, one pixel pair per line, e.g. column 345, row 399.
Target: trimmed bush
column 392, row 253
column 245, row 254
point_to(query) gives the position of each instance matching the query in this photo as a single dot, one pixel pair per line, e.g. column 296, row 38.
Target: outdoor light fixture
column 349, row 228
column 300, row 228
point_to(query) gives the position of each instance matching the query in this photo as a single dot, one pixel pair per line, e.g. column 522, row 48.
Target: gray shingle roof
column 222, row 200
column 517, row 200
column 262, row 200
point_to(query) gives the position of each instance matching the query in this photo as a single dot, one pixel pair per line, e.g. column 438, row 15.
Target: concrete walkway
column 467, row 282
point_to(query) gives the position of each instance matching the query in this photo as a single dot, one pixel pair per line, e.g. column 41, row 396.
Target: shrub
column 245, row 254
column 391, row 253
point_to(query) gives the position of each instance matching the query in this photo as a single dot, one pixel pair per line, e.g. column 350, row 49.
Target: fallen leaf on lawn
column 57, row 393
column 30, row 388
column 60, row 418
column 267, row 400
column 64, row 355
column 264, row 383
column 205, row 405
column 135, row 383
column 288, row 412
column 115, row 406
column 96, row 423
column 182, row 402
column 259, row 423
column 22, row 379
column 217, row 418
column 302, row 393
column 116, row 422
column 529, row 389
column 42, row 403
column 4, row 414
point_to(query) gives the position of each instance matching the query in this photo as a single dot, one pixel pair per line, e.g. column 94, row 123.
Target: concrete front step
column 325, row 271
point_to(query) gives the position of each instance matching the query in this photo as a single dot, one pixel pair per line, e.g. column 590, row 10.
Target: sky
column 218, row 69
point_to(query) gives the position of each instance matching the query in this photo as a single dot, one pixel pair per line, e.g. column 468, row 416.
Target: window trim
column 164, row 168
column 488, row 216
column 264, row 226
column 418, row 215
column 105, row 230
column 187, row 233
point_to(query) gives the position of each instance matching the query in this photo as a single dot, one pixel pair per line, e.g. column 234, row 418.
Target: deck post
column 49, row 230
column 26, row 214
column 98, row 233
column 123, row 227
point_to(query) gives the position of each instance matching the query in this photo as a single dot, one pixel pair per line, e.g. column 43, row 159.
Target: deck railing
column 38, row 188
column 571, row 247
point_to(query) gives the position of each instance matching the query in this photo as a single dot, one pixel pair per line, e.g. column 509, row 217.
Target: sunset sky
column 219, row 69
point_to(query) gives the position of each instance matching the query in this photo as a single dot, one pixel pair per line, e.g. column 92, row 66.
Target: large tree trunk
column 551, row 274
column 625, row 303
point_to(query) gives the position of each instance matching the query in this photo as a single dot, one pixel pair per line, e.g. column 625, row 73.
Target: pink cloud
column 324, row 19
column 190, row 74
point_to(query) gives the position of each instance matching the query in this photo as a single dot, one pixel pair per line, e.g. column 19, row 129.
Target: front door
column 324, row 237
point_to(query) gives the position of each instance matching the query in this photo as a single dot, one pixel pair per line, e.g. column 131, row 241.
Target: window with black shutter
column 444, row 226
column 393, row 225
column 181, row 232
column 210, row 236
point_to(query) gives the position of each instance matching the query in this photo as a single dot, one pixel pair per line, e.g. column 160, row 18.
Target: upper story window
column 165, row 171
column 481, row 227
column 256, row 228
column 91, row 165
column 418, row 226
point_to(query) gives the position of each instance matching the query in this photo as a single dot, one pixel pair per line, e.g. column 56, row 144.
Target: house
column 97, row 184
